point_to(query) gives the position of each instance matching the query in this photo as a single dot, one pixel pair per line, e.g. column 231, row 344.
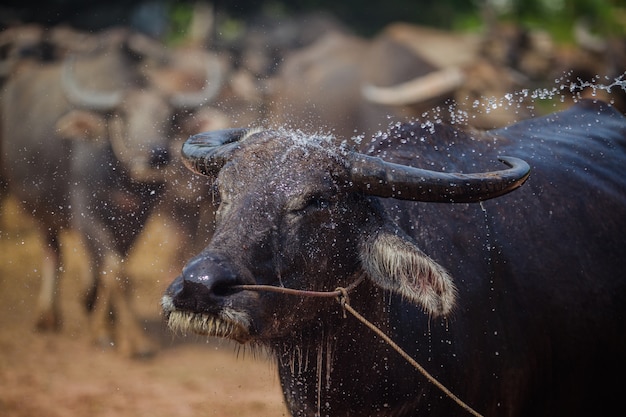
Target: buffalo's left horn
column 206, row 153
column 80, row 97
column 376, row 177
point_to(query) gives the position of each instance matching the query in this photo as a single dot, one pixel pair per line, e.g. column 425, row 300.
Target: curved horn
column 384, row 179
column 211, row 88
column 432, row 85
column 94, row 100
column 206, row 153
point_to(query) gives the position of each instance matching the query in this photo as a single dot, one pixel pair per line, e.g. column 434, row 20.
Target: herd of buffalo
column 484, row 236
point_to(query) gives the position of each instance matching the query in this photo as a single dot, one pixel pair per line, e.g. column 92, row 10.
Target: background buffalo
column 85, row 145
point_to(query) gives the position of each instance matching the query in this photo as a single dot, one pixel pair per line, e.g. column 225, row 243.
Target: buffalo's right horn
column 213, row 82
column 93, row 100
column 385, row 179
column 206, row 153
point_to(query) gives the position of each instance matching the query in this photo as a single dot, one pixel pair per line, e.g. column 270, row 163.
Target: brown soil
column 65, row 375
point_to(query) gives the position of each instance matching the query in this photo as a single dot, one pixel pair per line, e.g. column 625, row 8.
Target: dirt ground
column 65, row 375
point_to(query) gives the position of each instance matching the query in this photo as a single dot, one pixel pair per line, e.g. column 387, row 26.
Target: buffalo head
column 135, row 120
column 301, row 212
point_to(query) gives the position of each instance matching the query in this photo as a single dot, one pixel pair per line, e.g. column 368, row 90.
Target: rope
column 303, row 293
column 346, row 306
column 341, row 294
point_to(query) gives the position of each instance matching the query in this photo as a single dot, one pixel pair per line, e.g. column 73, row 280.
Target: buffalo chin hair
column 209, row 325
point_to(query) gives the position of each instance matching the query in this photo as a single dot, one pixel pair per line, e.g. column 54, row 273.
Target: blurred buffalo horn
column 417, row 90
column 210, row 89
column 93, row 100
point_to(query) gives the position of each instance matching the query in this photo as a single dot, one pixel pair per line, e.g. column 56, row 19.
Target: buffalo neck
column 337, row 366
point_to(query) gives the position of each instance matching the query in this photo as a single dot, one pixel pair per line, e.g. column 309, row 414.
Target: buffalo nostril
column 224, row 289
column 194, row 297
column 159, row 157
column 204, row 286
column 175, row 287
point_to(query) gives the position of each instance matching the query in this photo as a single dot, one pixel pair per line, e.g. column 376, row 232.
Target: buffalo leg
column 113, row 311
column 49, row 314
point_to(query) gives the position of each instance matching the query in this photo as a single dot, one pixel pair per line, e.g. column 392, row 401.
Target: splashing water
column 619, row 82
column 525, row 102
column 565, row 90
column 514, row 106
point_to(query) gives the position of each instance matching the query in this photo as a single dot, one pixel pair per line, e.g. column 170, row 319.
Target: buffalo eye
column 318, row 203
column 313, row 203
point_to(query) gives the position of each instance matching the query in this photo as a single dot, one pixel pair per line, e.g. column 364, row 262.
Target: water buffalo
column 513, row 304
column 85, row 143
column 355, row 86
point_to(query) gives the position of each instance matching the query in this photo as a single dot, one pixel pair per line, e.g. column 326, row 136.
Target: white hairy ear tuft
column 395, row 263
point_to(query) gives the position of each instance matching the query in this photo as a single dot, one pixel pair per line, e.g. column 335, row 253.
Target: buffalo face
column 272, row 215
column 135, row 124
column 295, row 212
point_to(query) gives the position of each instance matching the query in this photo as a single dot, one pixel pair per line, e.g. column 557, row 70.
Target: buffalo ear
column 82, row 125
column 395, row 263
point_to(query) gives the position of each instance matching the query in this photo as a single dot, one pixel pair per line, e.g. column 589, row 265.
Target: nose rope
column 341, row 294
column 303, row 293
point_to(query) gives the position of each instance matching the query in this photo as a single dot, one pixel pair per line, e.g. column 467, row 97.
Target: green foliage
column 603, row 17
column 558, row 17
column 180, row 19
column 365, row 17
